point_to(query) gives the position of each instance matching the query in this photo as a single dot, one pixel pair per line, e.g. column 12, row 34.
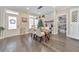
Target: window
column 30, row 22
column 74, row 16
column 12, row 22
column 33, row 21
column 36, row 22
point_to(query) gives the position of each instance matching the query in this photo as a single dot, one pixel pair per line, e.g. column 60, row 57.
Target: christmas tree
column 40, row 24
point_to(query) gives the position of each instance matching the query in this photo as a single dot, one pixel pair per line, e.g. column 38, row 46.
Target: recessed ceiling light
column 12, row 12
column 27, row 8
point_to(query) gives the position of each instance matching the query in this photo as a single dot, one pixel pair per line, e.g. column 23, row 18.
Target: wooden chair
column 46, row 37
column 39, row 35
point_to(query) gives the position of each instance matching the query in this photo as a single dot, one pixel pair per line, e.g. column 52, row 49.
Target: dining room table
column 40, row 34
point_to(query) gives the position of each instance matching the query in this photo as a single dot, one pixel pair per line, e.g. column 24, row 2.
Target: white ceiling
column 43, row 10
column 58, row 8
column 34, row 9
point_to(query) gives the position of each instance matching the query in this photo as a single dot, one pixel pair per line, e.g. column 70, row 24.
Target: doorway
column 62, row 24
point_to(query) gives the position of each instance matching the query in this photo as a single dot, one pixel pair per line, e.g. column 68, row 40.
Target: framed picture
column 24, row 19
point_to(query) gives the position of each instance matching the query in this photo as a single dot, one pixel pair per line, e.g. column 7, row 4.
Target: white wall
column 49, row 17
column 24, row 27
column 4, row 23
column 2, row 15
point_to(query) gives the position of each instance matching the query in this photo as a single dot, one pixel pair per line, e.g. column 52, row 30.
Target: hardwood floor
column 22, row 44
column 25, row 43
column 63, row 44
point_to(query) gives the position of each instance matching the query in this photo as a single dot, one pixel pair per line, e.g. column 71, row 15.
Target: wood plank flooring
column 24, row 43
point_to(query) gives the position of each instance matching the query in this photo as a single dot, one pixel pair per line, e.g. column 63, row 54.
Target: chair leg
column 31, row 34
column 36, row 38
column 46, row 38
column 41, row 39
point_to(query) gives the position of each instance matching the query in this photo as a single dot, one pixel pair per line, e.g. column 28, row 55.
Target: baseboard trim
column 12, row 36
column 73, row 37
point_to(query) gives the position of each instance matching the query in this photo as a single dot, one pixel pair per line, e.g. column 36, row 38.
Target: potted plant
column 1, row 29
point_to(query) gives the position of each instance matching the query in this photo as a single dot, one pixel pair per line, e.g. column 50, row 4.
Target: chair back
column 38, row 32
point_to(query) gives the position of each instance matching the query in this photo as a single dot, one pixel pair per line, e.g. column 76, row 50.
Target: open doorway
column 62, row 25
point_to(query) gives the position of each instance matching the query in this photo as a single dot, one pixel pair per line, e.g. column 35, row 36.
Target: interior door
column 62, row 24
column 74, row 23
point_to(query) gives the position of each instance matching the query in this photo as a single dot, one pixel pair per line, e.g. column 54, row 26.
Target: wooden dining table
column 40, row 35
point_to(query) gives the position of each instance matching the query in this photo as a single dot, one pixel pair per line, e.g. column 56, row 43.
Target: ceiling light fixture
column 12, row 12
column 27, row 8
column 40, row 7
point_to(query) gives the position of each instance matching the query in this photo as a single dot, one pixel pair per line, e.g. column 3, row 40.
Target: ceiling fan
column 39, row 7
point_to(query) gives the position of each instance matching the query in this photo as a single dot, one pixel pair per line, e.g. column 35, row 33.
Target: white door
column 74, row 23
